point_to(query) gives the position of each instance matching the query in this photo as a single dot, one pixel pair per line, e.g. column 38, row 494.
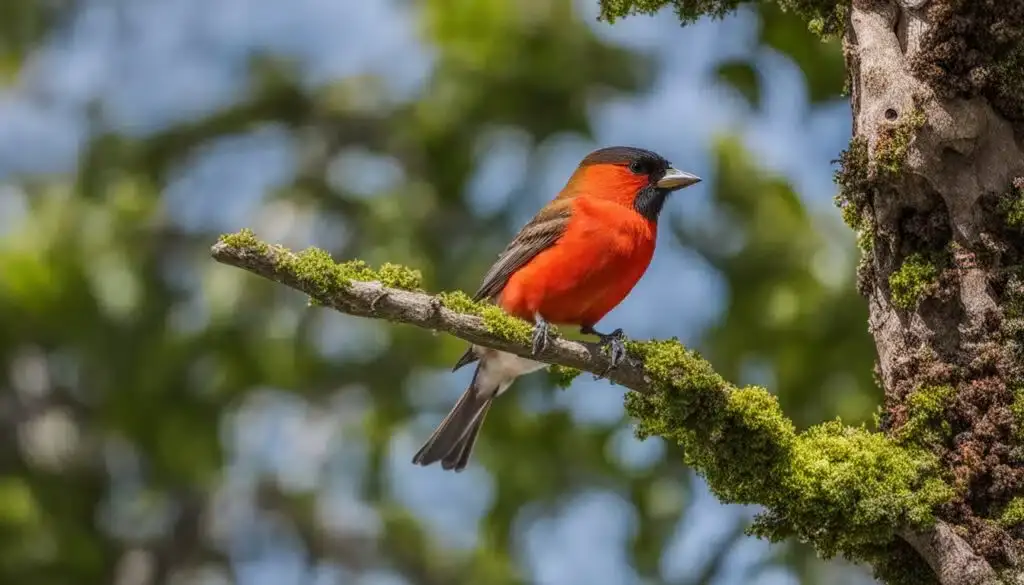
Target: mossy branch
column 392, row 294
column 845, row 489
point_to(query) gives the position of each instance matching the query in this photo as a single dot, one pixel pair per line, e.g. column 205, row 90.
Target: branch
column 950, row 557
column 844, row 489
column 374, row 300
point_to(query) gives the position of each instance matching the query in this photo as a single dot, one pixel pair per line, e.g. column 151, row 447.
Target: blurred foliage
column 22, row 24
column 129, row 361
column 786, row 33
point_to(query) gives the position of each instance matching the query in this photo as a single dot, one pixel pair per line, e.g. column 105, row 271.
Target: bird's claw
column 540, row 336
column 615, row 343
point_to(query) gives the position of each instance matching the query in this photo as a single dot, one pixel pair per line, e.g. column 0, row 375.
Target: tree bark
column 929, row 182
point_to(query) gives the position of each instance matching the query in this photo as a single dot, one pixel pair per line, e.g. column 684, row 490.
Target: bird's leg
column 540, row 334
column 614, row 341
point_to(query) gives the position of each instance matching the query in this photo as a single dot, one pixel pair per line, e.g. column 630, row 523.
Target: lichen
column 844, row 489
column 824, row 17
column 925, row 425
column 894, row 141
column 915, row 279
column 562, row 376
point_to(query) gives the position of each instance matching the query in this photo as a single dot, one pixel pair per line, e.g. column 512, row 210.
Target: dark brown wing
column 535, row 237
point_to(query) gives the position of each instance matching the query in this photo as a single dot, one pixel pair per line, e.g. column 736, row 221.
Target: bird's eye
column 636, row 166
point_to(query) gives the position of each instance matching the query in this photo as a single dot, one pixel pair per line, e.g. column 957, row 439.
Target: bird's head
column 633, row 177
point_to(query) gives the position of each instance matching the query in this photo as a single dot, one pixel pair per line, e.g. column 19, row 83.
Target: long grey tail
column 452, row 441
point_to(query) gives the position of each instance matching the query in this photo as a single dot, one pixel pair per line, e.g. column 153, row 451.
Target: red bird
column 575, row 261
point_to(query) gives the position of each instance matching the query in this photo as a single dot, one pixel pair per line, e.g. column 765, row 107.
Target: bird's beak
column 676, row 179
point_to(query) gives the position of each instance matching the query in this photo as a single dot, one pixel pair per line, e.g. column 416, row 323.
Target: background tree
column 167, row 419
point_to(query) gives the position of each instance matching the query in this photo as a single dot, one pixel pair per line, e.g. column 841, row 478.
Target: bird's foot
column 614, row 342
column 541, row 332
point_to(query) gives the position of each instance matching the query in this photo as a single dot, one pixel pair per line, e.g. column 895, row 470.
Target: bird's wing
column 535, row 237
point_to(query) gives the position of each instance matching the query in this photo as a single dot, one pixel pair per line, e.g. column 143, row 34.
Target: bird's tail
column 452, row 441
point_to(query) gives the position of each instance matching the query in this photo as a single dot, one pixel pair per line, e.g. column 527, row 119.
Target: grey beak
column 676, row 179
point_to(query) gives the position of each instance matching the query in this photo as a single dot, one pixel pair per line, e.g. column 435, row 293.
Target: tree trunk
column 932, row 182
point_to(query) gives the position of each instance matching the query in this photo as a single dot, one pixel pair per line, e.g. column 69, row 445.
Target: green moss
column 865, row 240
column 853, row 488
column 1013, row 513
column 1015, row 213
column 563, row 376
column 496, row 320
column 894, row 142
column 824, row 17
column 244, row 239
column 856, row 188
column 501, row 323
column 1017, row 409
column 926, row 424
column 844, row 489
column 1008, row 83
column 319, row 274
column 914, row 280
column 398, row 276
column 460, row 302
column 854, row 183
column 1013, row 295
column 854, row 197
column 1011, row 206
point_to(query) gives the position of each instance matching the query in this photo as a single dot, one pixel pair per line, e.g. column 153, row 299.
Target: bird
column 575, row 261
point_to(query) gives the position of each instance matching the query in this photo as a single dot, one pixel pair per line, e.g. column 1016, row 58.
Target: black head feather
column 650, row 199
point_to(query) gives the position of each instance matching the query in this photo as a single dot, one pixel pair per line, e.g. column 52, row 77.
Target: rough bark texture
column 932, row 183
column 950, row 557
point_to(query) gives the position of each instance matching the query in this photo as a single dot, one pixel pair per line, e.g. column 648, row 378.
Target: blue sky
column 162, row 61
